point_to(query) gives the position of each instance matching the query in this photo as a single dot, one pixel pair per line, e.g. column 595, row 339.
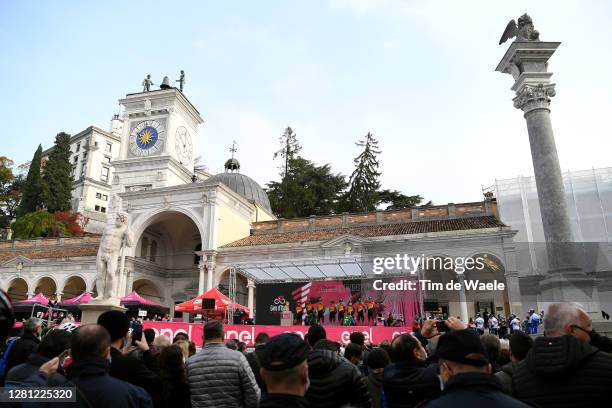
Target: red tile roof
column 50, row 248
column 414, row 227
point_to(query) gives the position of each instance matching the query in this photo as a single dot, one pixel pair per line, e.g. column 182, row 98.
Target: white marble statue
column 116, row 236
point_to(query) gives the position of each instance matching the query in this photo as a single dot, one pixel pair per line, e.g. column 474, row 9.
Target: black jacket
column 335, row 381
column 21, row 350
column 407, row 383
column 96, row 389
column 20, row 373
column 564, row 372
column 474, row 390
column 282, row 401
column 374, row 383
column 175, row 395
column 137, row 371
column 252, row 359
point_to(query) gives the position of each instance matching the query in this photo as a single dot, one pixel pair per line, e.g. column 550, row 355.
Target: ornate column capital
column 532, row 97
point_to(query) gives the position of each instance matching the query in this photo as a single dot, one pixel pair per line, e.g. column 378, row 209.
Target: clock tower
column 158, row 142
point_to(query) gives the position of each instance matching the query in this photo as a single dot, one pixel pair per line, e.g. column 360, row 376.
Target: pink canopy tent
column 133, row 297
column 133, row 301
column 82, row 298
column 37, row 298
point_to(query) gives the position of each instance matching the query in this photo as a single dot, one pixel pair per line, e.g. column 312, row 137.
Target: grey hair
column 32, row 324
column 560, row 315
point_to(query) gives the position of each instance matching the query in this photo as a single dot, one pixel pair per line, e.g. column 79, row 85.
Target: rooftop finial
column 232, row 165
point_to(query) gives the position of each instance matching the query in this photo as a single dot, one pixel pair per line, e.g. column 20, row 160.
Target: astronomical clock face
column 183, row 145
column 146, row 139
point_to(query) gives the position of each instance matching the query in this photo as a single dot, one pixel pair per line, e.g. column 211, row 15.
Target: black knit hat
column 462, row 346
column 282, row 352
column 115, row 322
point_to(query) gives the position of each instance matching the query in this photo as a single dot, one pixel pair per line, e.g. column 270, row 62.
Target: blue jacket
column 474, row 390
column 96, row 388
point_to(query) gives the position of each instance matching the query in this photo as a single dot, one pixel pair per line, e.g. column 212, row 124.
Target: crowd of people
column 114, row 364
column 501, row 326
column 355, row 312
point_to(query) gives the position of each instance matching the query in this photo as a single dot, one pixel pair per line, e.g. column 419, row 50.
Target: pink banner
column 247, row 334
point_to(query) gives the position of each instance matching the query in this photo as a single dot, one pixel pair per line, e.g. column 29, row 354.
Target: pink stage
column 247, row 334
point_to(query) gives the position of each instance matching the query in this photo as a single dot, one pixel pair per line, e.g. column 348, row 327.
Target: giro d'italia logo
column 278, row 305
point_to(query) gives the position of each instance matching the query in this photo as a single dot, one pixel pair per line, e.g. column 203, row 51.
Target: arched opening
column 144, row 247
column 169, row 237
column 147, row 290
column 153, row 257
column 74, row 286
column 241, row 287
column 18, row 289
column 46, row 286
column 196, row 257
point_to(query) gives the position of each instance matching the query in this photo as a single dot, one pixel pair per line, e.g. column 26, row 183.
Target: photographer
column 138, row 371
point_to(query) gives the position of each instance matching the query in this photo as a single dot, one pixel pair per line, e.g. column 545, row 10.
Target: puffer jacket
column 221, row 378
column 408, row 383
column 505, row 376
column 563, row 372
column 335, row 381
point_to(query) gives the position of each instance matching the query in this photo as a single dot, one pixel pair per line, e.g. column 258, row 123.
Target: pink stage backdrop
column 247, row 334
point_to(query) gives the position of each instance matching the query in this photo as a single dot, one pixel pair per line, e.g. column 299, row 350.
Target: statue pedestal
column 92, row 310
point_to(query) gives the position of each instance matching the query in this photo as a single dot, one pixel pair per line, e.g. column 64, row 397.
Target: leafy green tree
column 396, row 200
column 306, row 189
column 364, row 183
column 290, row 148
column 31, row 199
column 7, row 178
column 38, row 224
column 57, row 176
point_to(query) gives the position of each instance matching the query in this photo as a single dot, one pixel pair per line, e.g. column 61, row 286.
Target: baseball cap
column 282, row 352
column 462, row 346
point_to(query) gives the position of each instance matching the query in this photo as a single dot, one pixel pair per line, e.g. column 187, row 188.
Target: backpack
column 4, row 359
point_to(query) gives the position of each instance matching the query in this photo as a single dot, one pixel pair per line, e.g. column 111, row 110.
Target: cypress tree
column 31, row 200
column 57, row 176
column 364, row 183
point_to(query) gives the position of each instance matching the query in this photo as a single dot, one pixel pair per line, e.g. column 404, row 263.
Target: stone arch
column 17, row 289
column 146, row 220
column 74, row 285
column 493, row 261
column 171, row 235
column 47, row 286
column 147, row 289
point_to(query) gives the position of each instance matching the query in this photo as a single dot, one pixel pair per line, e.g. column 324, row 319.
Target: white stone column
column 463, row 311
column 527, row 62
column 211, row 272
column 58, row 296
column 202, row 269
column 251, row 295
column 129, row 277
column 210, row 257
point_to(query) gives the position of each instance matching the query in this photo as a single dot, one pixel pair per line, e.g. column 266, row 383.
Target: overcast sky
column 418, row 74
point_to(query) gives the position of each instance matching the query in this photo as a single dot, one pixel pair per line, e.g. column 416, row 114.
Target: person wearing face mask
column 26, row 344
column 466, row 374
column 564, row 368
column 284, row 370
